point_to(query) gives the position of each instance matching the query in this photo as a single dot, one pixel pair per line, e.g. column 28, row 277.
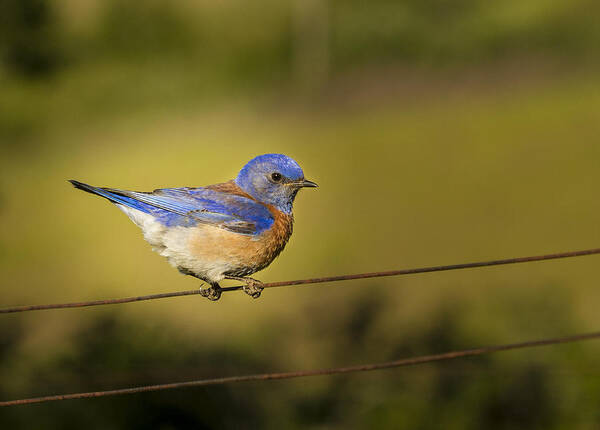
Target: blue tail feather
column 111, row 196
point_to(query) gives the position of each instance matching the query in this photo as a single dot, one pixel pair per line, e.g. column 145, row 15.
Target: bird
column 228, row 230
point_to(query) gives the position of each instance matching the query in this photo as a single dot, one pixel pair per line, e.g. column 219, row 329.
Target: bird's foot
column 212, row 293
column 252, row 287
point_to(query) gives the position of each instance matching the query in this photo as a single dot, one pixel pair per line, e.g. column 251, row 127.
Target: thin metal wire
column 319, row 372
column 310, row 281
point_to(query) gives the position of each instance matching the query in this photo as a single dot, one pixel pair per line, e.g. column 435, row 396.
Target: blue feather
column 190, row 206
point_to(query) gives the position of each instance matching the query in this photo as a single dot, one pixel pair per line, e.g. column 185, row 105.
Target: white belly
column 201, row 249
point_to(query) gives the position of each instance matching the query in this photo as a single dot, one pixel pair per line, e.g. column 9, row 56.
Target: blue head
column 273, row 179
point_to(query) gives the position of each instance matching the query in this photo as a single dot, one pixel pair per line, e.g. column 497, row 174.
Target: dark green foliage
column 130, row 30
column 503, row 391
column 247, row 43
column 29, row 37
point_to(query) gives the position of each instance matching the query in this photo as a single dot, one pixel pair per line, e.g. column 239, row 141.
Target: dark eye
column 276, row 177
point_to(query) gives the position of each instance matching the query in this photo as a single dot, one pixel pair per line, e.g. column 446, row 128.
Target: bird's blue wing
column 191, row 206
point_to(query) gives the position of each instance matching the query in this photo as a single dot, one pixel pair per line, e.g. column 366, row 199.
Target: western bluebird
column 222, row 231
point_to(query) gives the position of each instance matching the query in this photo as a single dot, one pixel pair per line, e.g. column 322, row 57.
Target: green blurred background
column 439, row 131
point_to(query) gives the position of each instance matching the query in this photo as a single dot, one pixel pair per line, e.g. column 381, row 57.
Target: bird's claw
column 212, row 293
column 252, row 287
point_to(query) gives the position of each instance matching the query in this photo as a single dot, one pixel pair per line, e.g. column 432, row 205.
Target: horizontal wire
column 319, row 372
column 309, row 281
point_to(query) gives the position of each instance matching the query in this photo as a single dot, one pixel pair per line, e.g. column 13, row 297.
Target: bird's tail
column 110, row 195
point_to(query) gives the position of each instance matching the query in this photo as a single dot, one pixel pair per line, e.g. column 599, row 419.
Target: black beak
column 308, row 184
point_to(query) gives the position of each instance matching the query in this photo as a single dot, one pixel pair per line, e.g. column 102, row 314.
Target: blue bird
column 223, row 231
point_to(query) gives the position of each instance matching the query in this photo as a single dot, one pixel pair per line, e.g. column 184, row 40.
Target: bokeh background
column 439, row 131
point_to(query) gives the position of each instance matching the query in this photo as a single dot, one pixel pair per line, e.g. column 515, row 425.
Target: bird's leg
column 252, row 287
column 212, row 293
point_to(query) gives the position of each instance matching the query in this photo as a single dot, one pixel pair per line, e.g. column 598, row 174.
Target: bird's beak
column 305, row 183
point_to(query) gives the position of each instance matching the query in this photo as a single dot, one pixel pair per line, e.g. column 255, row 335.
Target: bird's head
column 273, row 179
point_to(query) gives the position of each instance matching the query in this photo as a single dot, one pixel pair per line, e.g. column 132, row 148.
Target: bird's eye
column 276, row 177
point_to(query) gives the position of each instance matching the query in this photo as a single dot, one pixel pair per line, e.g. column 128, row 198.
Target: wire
column 309, row 281
column 319, row 372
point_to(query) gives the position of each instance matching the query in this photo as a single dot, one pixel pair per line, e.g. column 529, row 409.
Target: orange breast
column 237, row 254
column 275, row 238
